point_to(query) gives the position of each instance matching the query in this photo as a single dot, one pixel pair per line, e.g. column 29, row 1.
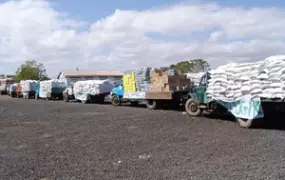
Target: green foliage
column 31, row 70
column 194, row 66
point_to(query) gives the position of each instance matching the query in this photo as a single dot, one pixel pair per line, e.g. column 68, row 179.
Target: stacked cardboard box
column 129, row 82
column 162, row 82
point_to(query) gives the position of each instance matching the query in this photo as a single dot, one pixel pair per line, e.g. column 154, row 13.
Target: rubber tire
column 189, row 103
column 65, row 98
column 245, row 124
column 83, row 101
column 28, row 96
column 151, row 106
column 114, row 98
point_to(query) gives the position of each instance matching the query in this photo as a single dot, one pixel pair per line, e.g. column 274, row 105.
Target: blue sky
column 92, row 10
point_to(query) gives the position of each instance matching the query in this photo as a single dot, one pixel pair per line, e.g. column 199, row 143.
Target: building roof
column 70, row 73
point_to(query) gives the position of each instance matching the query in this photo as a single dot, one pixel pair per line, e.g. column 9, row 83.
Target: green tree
column 31, row 70
column 195, row 65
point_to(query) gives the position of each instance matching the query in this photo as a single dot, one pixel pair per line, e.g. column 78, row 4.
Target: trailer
column 247, row 110
column 153, row 100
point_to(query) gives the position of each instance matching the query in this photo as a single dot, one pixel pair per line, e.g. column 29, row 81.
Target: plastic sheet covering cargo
column 142, row 79
column 28, row 85
column 13, row 87
column 82, row 89
column 264, row 79
column 54, row 86
column 161, row 81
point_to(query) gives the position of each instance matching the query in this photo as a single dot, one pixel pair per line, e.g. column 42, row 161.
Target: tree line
column 36, row 71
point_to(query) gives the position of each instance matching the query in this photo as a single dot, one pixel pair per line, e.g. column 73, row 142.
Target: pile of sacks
column 28, row 85
column 93, row 87
column 142, row 79
column 265, row 79
column 13, row 87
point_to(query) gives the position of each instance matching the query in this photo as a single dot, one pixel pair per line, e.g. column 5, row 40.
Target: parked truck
column 50, row 89
column 89, row 91
column 154, row 87
column 4, row 85
column 247, row 111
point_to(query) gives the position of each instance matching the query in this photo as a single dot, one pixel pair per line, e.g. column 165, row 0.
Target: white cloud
column 32, row 29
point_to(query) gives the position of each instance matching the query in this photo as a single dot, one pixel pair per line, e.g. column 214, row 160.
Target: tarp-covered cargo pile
column 264, row 79
column 82, row 89
column 13, row 87
column 53, row 86
column 28, row 85
column 142, row 79
column 161, row 81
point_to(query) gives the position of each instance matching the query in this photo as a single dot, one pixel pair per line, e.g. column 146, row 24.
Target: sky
column 129, row 34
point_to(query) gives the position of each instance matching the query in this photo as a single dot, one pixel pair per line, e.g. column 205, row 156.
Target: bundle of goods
column 195, row 77
column 265, row 79
column 13, row 87
column 53, row 86
column 129, row 82
column 161, row 81
column 93, row 87
column 29, row 85
column 4, row 83
column 142, row 79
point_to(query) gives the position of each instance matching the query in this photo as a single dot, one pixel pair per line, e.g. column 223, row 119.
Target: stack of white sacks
column 93, row 87
column 265, row 79
column 28, row 85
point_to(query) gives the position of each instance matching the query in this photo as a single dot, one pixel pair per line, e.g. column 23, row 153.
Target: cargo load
column 195, row 77
column 50, row 88
column 264, row 79
column 161, row 81
column 28, row 85
column 84, row 89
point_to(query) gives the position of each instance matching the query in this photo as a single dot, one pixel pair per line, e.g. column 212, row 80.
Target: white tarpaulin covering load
column 51, row 86
column 28, row 85
column 264, row 79
column 93, row 87
column 195, row 77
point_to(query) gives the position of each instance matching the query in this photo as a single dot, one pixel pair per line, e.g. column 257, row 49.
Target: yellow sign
column 129, row 82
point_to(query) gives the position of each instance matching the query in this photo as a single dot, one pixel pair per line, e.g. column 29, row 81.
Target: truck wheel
column 28, row 96
column 244, row 123
column 192, row 108
column 151, row 104
column 65, row 97
column 84, row 101
column 115, row 101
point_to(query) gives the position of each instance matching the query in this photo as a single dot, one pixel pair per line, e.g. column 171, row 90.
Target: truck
column 68, row 94
column 89, row 91
column 29, row 88
column 248, row 111
column 4, row 85
column 152, row 100
column 50, row 89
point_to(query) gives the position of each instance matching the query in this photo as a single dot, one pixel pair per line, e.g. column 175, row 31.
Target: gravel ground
column 57, row 140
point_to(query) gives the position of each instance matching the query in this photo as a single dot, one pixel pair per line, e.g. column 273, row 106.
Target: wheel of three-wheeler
column 192, row 108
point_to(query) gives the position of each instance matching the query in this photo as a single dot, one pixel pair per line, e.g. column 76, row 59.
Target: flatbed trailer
column 152, row 99
column 246, row 110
